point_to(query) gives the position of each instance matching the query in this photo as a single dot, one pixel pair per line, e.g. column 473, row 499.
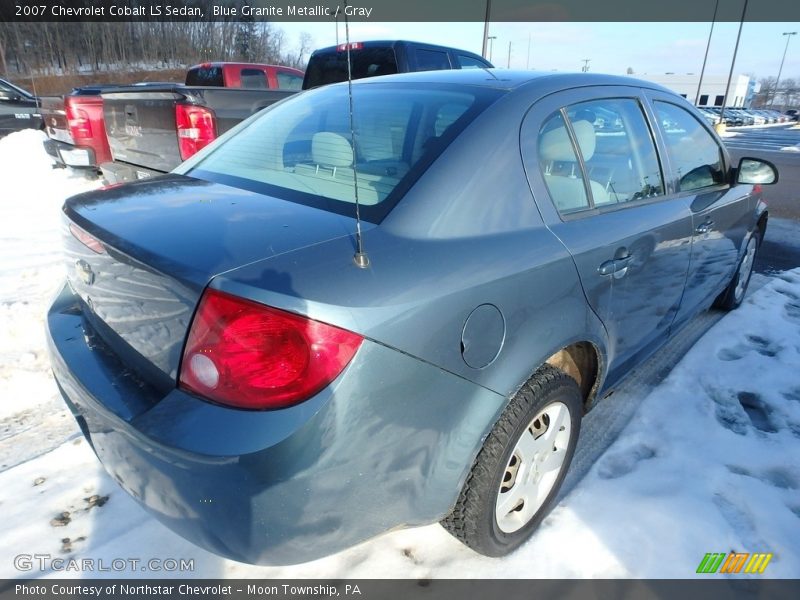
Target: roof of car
column 510, row 79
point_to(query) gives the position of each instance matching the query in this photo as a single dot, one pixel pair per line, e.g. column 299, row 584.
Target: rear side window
column 468, row 62
column 331, row 67
column 289, row 81
column 205, row 76
column 560, row 166
column 432, row 60
column 615, row 158
column 302, row 149
column 694, row 154
column 254, row 79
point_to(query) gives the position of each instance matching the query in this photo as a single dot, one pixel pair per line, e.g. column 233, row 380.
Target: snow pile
column 30, row 248
column 708, row 464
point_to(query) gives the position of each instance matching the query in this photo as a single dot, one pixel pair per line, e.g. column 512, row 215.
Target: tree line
column 785, row 93
column 63, row 48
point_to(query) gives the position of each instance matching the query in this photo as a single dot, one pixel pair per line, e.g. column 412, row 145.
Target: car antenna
column 360, row 257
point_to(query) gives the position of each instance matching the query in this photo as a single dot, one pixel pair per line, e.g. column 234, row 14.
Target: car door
column 17, row 111
column 596, row 176
column 700, row 172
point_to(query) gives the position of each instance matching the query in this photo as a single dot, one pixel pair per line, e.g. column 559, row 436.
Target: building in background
column 712, row 93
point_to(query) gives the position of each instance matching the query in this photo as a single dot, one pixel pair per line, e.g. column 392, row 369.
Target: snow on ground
column 709, row 462
column 30, row 248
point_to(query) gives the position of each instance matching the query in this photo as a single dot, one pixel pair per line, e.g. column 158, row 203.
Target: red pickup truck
column 245, row 75
column 77, row 133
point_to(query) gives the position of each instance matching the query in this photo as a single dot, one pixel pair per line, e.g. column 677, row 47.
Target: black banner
column 366, row 589
column 395, row 10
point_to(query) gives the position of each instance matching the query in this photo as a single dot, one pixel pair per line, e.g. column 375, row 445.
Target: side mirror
column 756, row 170
column 8, row 96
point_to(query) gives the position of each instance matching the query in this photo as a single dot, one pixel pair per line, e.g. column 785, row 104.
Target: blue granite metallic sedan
column 276, row 380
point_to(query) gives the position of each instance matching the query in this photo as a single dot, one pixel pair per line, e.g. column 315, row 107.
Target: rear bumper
column 116, row 172
column 69, row 155
column 389, row 443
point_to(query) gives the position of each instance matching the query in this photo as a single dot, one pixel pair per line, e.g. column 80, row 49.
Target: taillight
column 87, row 240
column 247, row 355
column 79, row 124
column 353, row 46
column 196, row 128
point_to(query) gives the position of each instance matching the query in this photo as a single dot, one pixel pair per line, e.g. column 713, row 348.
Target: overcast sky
column 648, row 48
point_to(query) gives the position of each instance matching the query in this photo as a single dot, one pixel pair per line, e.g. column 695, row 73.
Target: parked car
column 712, row 117
column 758, row 119
column 729, row 118
column 793, row 114
column 245, row 75
column 239, row 374
column 19, row 109
column 152, row 131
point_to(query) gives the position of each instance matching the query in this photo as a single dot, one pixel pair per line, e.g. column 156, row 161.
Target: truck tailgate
column 141, row 128
column 55, row 119
column 141, row 123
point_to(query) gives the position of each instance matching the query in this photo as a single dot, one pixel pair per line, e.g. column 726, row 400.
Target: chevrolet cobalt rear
column 529, row 239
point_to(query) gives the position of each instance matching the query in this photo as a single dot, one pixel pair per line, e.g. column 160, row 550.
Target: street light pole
column 788, row 35
column 705, row 58
column 491, row 39
column 585, row 67
column 486, row 27
column 730, row 74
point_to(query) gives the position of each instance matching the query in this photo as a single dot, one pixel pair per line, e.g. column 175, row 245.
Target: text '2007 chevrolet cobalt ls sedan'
column 530, row 238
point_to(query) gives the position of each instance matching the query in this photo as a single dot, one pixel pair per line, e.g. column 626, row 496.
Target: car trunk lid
column 160, row 242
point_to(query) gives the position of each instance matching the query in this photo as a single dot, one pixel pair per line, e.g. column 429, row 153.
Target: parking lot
column 781, row 248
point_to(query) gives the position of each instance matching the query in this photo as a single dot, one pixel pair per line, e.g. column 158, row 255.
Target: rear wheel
column 734, row 294
column 518, row 472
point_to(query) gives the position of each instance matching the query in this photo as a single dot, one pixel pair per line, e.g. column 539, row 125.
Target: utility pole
column 491, row 39
column 508, row 63
column 788, row 35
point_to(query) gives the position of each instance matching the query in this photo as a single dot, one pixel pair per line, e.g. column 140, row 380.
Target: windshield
column 302, row 150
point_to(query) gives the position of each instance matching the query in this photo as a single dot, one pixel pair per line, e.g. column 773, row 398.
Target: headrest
column 331, row 150
column 555, row 144
column 446, row 116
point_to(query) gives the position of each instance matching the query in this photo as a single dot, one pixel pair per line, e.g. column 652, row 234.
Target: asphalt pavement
column 779, row 144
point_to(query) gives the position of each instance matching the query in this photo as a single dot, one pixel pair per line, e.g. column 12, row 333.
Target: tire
column 733, row 295
column 490, row 515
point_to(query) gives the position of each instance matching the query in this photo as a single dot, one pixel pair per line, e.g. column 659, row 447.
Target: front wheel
column 733, row 295
column 518, row 472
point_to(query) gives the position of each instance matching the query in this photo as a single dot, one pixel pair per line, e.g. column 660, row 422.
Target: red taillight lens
column 79, row 124
column 196, row 128
column 87, row 240
column 244, row 354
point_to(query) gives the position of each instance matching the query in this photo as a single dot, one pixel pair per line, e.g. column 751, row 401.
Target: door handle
column 615, row 266
column 704, row 227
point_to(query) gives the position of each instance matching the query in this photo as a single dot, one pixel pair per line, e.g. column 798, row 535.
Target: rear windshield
column 301, row 149
column 331, row 67
column 205, row 76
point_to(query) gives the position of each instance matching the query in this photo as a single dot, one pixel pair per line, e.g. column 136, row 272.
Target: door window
column 695, row 156
column 616, row 149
